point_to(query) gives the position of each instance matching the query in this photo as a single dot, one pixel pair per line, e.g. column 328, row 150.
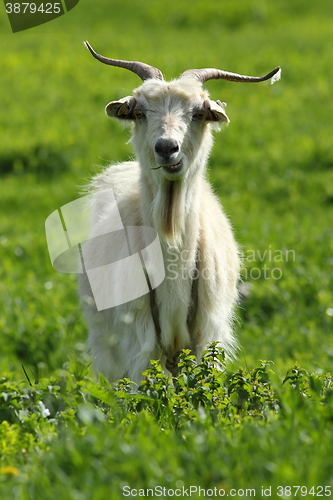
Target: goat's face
column 172, row 122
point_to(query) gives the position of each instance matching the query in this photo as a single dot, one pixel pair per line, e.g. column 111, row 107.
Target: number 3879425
column 32, row 8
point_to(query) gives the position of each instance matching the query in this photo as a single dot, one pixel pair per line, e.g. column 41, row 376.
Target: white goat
column 166, row 189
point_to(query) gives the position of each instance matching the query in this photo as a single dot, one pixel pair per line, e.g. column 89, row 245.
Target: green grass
column 73, row 438
column 272, row 168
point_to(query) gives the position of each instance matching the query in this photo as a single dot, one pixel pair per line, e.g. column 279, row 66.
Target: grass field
column 63, row 434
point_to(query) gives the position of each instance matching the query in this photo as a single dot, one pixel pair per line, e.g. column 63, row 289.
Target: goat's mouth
column 173, row 169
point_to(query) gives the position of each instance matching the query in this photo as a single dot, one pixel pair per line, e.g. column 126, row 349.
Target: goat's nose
column 166, row 148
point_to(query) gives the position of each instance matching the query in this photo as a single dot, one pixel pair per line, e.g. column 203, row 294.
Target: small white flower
column 45, row 412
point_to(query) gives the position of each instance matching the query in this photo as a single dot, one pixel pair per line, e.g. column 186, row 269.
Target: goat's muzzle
column 167, row 150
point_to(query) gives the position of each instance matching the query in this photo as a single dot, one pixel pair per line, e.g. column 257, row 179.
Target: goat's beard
column 171, row 205
column 169, row 210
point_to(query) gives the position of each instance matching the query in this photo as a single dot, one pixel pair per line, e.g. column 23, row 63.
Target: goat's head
column 172, row 120
column 170, row 124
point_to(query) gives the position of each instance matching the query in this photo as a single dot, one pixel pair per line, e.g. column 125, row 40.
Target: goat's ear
column 216, row 111
column 122, row 109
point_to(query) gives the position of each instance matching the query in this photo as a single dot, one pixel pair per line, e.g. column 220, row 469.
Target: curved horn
column 144, row 71
column 216, row 74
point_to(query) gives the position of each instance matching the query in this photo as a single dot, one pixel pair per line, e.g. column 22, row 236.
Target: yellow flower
column 9, row 470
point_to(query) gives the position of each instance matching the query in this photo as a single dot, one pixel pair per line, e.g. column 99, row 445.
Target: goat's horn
column 216, row 74
column 144, row 71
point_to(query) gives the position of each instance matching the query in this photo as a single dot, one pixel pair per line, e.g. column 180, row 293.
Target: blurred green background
column 272, row 166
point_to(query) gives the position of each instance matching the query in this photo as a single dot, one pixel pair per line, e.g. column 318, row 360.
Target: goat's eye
column 139, row 114
column 199, row 115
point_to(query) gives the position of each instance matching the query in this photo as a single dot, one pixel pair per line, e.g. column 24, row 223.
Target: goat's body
column 194, row 304
column 165, row 190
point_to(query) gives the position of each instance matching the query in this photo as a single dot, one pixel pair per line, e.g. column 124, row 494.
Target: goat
column 166, row 189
